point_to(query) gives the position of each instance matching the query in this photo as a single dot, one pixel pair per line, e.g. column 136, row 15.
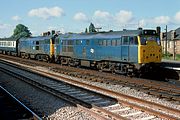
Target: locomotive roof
column 99, row 35
column 36, row 38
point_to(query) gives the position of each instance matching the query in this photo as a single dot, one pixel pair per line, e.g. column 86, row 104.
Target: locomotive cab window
column 133, row 40
column 144, row 39
column 125, row 40
column 37, row 42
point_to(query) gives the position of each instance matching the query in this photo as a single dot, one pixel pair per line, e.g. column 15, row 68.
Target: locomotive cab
column 149, row 47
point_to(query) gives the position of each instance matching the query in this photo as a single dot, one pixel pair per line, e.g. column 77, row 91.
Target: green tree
column 21, row 31
column 86, row 31
column 92, row 28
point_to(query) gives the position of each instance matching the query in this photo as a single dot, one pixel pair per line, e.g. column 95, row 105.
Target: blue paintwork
column 28, row 45
column 94, row 52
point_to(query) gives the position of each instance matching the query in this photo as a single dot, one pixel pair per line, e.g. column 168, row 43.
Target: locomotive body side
column 126, row 52
column 99, row 50
column 40, row 48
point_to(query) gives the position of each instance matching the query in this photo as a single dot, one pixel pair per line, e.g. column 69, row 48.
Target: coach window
column 63, row 42
column 64, row 49
column 70, row 42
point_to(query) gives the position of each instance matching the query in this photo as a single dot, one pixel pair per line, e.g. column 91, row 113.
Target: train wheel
column 26, row 56
column 47, row 59
column 100, row 67
column 22, row 56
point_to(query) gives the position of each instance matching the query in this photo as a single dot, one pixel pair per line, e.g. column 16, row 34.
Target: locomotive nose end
column 148, row 54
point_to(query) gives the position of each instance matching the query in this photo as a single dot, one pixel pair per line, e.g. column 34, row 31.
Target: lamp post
column 166, row 42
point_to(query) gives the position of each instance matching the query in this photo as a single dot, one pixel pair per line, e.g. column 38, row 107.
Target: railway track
column 12, row 108
column 168, row 90
column 118, row 106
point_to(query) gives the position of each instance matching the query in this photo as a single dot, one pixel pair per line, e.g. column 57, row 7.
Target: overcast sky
column 75, row 15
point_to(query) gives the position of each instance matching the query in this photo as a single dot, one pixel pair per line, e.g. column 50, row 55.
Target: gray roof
column 178, row 31
column 99, row 35
column 36, row 38
column 178, row 37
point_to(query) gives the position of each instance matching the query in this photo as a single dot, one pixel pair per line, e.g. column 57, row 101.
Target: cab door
column 125, row 48
column 133, row 49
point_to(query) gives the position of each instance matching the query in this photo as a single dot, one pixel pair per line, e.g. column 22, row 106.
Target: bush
column 178, row 57
column 168, row 55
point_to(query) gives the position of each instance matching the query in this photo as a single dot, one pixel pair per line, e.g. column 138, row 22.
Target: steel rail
column 120, row 96
column 92, row 109
column 111, row 93
column 35, row 116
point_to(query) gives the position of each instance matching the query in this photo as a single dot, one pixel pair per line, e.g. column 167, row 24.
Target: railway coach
column 9, row 46
column 126, row 52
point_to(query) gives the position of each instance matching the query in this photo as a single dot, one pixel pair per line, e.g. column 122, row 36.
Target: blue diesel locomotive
column 125, row 52
column 39, row 48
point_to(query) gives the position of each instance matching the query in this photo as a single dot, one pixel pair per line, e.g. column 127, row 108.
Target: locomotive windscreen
column 149, row 32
